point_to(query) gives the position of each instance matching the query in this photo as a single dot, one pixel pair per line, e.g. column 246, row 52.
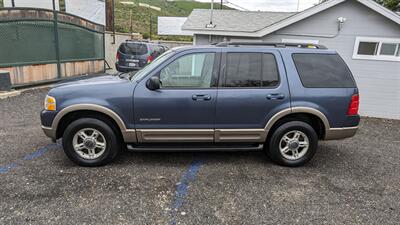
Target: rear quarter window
column 323, row 71
column 249, row 70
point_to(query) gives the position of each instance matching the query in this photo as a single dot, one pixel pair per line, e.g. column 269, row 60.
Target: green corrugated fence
column 26, row 42
column 35, row 36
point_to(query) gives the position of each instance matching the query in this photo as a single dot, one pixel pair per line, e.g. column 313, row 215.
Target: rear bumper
column 340, row 133
column 125, row 69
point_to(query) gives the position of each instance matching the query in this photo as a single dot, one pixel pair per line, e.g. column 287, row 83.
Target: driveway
column 354, row 181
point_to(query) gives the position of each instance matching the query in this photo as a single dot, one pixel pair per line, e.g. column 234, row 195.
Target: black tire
column 274, row 143
column 112, row 142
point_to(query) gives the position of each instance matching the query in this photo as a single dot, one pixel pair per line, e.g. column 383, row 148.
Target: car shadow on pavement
column 326, row 155
column 329, row 155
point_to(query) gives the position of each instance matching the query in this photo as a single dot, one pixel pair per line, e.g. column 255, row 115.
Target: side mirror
column 153, row 83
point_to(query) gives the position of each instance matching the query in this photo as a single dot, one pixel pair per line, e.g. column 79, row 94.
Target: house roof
column 233, row 20
column 257, row 24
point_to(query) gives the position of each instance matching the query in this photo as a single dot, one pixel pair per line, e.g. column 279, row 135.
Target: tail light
column 117, row 56
column 354, row 105
column 149, row 59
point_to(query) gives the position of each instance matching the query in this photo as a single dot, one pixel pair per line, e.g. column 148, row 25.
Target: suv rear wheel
column 90, row 142
column 293, row 144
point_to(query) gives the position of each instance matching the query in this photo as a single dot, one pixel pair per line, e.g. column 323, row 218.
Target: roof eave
column 381, row 10
column 274, row 27
column 300, row 16
column 222, row 33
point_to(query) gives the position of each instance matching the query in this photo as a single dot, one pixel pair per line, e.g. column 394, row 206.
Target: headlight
column 50, row 103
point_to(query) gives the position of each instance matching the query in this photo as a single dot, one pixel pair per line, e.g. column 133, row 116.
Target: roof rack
column 274, row 44
column 142, row 41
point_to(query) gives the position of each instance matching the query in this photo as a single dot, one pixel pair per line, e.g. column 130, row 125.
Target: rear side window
column 133, row 48
column 251, row 70
column 323, row 71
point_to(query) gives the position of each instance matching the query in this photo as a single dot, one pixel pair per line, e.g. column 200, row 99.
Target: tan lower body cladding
column 224, row 135
column 201, row 135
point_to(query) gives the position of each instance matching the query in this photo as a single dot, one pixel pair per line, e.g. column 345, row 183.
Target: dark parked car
column 279, row 98
column 134, row 55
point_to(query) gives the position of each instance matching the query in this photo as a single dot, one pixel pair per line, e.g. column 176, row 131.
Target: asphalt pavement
column 353, row 181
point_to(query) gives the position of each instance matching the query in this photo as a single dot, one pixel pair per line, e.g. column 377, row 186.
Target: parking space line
column 182, row 187
column 6, row 168
column 37, row 153
column 41, row 151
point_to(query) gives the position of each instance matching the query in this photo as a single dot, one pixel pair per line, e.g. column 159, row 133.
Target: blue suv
column 275, row 97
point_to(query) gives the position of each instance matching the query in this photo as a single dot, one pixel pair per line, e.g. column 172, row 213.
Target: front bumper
column 49, row 132
column 340, row 133
column 47, row 118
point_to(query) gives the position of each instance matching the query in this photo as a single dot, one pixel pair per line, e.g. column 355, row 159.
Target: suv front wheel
column 293, row 144
column 90, row 142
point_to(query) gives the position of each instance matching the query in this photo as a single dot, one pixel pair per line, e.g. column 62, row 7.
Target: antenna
column 212, row 11
column 298, row 5
column 211, row 25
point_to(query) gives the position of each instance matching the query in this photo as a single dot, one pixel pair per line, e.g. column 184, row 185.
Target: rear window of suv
column 323, row 71
column 133, row 48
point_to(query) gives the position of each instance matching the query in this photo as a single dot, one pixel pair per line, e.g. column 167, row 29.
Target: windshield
column 143, row 72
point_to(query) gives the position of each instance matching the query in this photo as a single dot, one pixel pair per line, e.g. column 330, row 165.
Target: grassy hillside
column 141, row 15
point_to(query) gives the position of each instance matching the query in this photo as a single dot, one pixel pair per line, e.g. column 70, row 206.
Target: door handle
column 201, row 97
column 275, row 96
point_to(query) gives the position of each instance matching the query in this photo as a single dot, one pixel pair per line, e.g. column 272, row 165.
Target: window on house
column 368, row 48
column 389, row 49
column 377, row 49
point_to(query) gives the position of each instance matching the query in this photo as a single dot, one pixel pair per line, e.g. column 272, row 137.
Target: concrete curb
column 9, row 94
column 14, row 93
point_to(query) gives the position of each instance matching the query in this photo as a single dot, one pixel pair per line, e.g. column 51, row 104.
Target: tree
column 393, row 5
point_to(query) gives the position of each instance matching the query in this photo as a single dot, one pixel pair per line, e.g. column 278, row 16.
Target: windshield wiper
column 121, row 74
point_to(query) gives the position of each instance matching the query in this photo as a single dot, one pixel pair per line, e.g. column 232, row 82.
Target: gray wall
column 378, row 81
column 205, row 39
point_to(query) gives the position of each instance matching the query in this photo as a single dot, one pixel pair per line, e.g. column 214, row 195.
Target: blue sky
column 269, row 5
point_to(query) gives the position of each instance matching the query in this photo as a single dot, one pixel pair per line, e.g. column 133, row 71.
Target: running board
column 194, row 149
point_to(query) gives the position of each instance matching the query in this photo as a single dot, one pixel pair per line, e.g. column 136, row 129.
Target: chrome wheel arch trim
column 129, row 135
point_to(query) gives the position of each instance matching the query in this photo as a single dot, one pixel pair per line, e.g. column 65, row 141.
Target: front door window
column 189, row 71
